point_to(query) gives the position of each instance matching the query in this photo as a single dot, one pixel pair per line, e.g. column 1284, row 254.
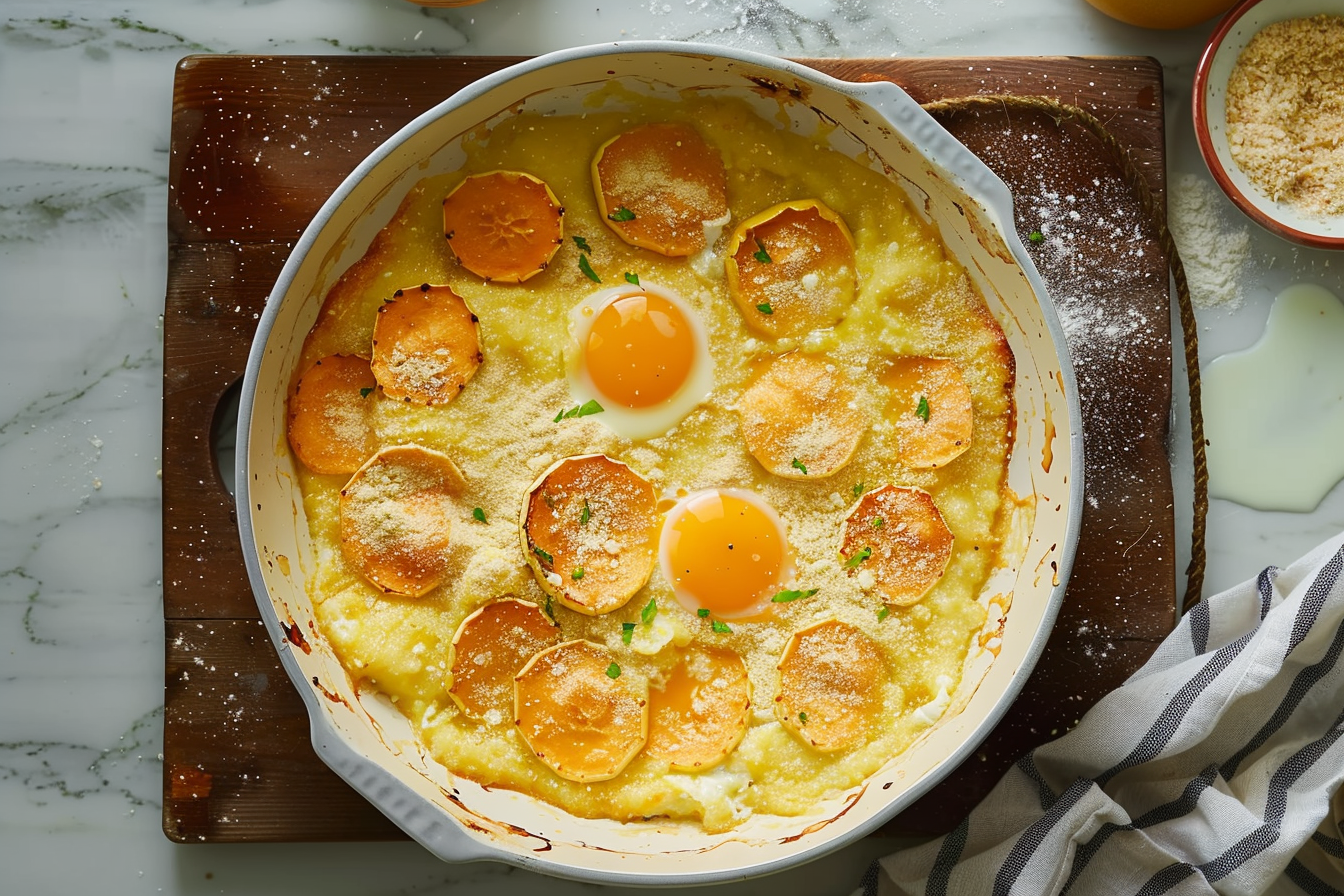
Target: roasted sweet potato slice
column 831, row 682
column 578, row 713
column 700, row 713
column 589, row 529
column 800, row 418
column 659, row 186
column 930, row 406
column 503, row 225
column 897, row 535
column 490, row 647
column 329, row 423
column 395, row 517
column 791, row 269
column 426, row 347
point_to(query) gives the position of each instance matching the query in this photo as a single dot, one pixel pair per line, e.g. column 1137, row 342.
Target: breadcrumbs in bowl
column 1269, row 115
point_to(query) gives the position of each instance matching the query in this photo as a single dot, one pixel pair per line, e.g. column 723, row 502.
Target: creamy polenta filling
column 506, row 426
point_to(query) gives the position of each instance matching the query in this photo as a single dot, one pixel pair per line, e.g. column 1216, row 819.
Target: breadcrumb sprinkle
column 1285, row 113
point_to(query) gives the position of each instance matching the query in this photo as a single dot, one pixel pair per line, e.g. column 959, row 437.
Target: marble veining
column 85, row 102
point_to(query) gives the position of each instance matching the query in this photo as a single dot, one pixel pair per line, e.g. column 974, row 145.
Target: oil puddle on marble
column 1274, row 413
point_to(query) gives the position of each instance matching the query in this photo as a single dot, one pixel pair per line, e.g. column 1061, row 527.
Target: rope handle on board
column 1134, row 179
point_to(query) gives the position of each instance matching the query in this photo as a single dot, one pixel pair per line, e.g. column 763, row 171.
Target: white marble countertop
column 85, row 100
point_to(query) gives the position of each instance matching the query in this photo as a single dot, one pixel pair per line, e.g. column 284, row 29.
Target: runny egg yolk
column 640, row 350
column 724, row 551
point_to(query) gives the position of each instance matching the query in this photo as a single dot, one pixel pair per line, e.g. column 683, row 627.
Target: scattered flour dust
column 1105, row 275
column 1213, row 251
column 1089, row 247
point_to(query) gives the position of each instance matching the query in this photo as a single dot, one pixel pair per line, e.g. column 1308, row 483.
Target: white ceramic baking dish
column 371, row 745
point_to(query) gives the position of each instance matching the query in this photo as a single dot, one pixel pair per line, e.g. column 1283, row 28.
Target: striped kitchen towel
column 1212, row 770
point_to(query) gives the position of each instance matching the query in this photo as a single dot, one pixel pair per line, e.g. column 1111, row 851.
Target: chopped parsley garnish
column 542, row 554
column 1036, row 236
column 478, row 514
column 613, row 671
column 650, row 610
column 585, row 514
column 582, row 244
column 702, row 613
column 760, row 254
column 922, row 411
column 720, row 627
column 365, row 392
column 631, row 277
column 878, row 522
column 858, row 489
column 548, row 608
column 588, row 269
column 587, row 409
column 622, row 214
column 883, row 613
column 627, row 632
column 577, row 574
column 858, row 558
column 802, row 717
column 785, row 597
column 798, row 465
column 765, row 308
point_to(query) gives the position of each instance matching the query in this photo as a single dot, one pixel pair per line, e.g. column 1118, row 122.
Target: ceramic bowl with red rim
column 1220, row 56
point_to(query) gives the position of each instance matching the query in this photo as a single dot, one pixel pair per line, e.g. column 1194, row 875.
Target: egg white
column 638, row 423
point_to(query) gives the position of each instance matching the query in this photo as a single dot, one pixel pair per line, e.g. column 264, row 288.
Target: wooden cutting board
column 258, row 143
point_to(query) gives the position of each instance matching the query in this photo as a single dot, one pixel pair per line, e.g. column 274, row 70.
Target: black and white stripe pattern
column 1212, row 770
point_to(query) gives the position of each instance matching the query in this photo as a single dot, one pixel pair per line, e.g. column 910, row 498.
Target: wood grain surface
column 258, row 143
